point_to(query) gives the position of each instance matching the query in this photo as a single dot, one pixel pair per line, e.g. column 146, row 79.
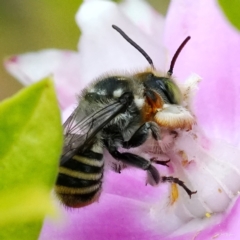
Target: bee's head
column 164, row 86
column 162, row 95
column 163, row 103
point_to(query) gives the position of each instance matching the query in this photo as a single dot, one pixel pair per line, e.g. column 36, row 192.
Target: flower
column 127, row 208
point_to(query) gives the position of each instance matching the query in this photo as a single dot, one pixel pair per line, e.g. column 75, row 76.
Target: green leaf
column 231, row 10
column 30, row 146
column 117, row 1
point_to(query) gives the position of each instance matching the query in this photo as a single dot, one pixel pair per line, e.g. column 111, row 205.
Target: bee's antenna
column 124, row 35
column 170, row 71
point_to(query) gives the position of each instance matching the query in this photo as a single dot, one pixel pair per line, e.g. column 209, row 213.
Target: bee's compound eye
column 173, row 92
column 165, row 87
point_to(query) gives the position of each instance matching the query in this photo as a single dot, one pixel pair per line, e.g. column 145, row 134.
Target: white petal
column 62, row 65
column 104, row 50
column 31, row 67
column 210, row 166
column 145, row 17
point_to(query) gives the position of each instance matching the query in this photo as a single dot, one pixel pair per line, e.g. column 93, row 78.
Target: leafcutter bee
column 118, row 111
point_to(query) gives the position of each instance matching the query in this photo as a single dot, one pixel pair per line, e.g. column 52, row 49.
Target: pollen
column 184, row 158
column 208, row 215
column 174, row 193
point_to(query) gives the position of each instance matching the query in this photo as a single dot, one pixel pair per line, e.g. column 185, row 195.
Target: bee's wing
column 79, row 134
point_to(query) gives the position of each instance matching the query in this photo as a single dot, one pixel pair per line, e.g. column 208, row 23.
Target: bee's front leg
column 142, row 134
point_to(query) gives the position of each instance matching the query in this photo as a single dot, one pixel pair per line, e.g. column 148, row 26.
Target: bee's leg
column 160, row 162
column 118, row 166
column 136, row 161
column 140, row 162
column 179, row 182
column 141, row 135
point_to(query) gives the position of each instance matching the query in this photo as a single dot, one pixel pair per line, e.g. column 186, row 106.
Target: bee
column 118, row 111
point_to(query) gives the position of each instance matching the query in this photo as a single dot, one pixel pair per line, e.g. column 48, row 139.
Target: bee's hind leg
column 160, row 162
column 142, row 163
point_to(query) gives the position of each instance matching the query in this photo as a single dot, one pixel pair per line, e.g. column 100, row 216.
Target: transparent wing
column 78, row 134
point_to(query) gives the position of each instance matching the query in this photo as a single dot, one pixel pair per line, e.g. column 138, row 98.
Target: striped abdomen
column 80, row 179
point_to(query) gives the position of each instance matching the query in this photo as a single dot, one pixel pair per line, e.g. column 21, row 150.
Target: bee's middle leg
column 138, row 162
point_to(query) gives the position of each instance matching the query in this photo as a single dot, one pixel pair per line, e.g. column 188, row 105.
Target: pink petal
column 122, row 211
column 63, row 65
column 110, row 220
column 213, row 53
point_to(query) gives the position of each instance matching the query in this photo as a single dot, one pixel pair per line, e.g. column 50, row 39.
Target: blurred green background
column 30, row 25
